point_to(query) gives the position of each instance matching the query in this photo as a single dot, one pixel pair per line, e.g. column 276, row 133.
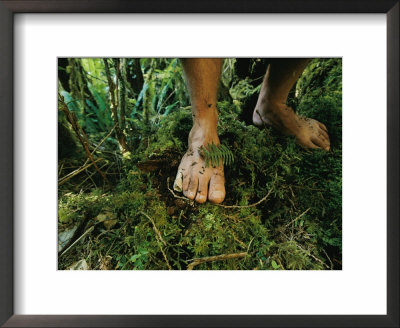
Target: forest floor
column 283, row 208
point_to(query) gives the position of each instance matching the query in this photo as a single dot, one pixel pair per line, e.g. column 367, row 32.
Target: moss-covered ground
column 139, row 223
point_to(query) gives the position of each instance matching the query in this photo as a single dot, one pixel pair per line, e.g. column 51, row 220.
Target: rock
column 65, row 236
column 79, row 265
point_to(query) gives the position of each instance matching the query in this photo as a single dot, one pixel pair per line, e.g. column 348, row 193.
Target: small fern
column 216, row 154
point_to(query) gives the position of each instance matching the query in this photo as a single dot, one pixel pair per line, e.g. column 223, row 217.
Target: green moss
column 297, row 227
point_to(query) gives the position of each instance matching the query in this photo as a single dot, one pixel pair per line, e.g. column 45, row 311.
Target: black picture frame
column 10, row 7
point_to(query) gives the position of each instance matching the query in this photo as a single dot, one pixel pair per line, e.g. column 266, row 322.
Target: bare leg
column 271, row 107
column 199, row 182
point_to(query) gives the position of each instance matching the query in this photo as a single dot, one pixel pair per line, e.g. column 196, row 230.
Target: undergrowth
column 140, row 224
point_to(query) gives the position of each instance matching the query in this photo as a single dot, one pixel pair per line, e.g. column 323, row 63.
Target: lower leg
column 271, row 107
column 280, row 77
column 195, row 179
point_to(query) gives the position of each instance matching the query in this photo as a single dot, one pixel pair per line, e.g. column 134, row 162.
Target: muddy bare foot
column 197, row 181
column 308, row 132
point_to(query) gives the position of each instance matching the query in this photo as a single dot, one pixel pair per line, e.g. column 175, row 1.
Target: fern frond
column 227, row 154
column 216, row 155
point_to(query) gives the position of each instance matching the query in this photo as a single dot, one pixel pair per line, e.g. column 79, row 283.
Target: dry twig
column 81, row 135
column 85, row 165
column 312, row 255
column 247, row 206
column 177, row 196
column 159, row 239
column 328, row 258
column 221, row 205
column 103, row 140
column 76, row 241
column 221, row 257
column 305, row 250
column 298, row 217
column 154, row 227
column 76, row 172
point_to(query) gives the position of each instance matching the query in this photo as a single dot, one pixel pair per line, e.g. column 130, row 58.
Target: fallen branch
column 297, row 218
column 328, row 258
column 154, row 227
column 247, row 206
column 77, row 171
column 221, row 257
column 92, row 174
column 191, row 202
column 159, row 238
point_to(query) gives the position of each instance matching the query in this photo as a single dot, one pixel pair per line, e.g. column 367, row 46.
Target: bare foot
column 308, row 132
column 197, row 181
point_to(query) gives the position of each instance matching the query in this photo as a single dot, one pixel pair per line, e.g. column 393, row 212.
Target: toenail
column 217, row 194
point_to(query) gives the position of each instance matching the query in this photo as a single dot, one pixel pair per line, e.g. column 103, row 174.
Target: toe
column 202, row 189
column 324, row 133
column 257, row 118
column 320, row 142
column 322, row 126
column 185, row 183
column 178, row 181
column 216, row 194
column 308, row 144
column 192, row 189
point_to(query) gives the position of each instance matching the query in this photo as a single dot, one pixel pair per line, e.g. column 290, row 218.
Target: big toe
column 257, row 121
column 216, row 193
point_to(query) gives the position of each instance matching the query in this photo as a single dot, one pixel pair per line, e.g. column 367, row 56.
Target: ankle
column 203, row 132
column 277, row 114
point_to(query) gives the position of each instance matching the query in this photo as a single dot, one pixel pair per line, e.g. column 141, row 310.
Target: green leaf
column 135, row 257
column 275, row 265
